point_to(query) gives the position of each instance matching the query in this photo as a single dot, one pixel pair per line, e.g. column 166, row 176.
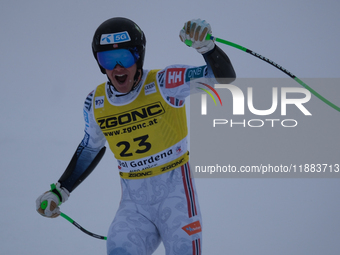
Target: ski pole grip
column 208, row 37
column 44, row 204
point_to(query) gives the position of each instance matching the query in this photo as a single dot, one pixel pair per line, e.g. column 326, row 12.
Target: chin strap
column 137, row 78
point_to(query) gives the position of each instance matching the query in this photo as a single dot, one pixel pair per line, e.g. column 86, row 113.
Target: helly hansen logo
column 174, row 77
column 193, row 228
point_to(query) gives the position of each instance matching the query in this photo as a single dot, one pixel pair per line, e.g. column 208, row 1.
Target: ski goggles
column 123, row 57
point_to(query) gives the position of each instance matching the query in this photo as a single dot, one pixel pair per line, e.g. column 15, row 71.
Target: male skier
column 141, row 114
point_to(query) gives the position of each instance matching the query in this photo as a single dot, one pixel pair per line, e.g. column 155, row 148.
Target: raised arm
column 196, row 31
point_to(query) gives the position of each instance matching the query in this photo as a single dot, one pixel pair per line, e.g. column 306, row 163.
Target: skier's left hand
column 196, row 30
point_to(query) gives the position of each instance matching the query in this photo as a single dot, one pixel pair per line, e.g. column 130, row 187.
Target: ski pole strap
column 56, row 192
column 157, row 170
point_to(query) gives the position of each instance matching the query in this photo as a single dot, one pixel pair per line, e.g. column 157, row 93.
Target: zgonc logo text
column 131, row 117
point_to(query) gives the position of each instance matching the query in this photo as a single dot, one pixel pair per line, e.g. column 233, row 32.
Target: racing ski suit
column 146, row 129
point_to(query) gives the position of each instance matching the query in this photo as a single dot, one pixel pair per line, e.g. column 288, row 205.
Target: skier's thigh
column 131, row 233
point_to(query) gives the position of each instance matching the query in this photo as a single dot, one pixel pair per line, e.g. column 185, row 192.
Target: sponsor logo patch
column 174, row 77
column 193, row 228
column 148, row 173
column 172, row 165
column 150, row 88
column 114, row 38
column 131, row 117
column 194, row 73
column 99, row 102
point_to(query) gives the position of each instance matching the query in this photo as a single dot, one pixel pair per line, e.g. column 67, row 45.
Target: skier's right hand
column 196, row 31
column 47, row 204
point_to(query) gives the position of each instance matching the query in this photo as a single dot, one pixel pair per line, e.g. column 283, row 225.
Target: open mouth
column 121, row 78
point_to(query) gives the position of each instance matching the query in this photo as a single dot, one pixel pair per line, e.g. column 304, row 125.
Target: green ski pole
column 69, row 219
column 210, row 37
column 81, row 228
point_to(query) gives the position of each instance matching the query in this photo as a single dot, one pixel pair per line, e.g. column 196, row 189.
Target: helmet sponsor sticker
column 115, row 38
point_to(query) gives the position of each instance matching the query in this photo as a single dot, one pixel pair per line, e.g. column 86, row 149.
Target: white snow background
column 47, row 70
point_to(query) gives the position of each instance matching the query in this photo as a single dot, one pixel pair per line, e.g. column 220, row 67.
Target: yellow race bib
column 145, row 133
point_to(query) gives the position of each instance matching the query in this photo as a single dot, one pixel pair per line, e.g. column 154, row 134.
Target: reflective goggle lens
column 123, row 57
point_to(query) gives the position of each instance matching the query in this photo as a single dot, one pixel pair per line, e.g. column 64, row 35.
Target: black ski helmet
column 119, row 33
